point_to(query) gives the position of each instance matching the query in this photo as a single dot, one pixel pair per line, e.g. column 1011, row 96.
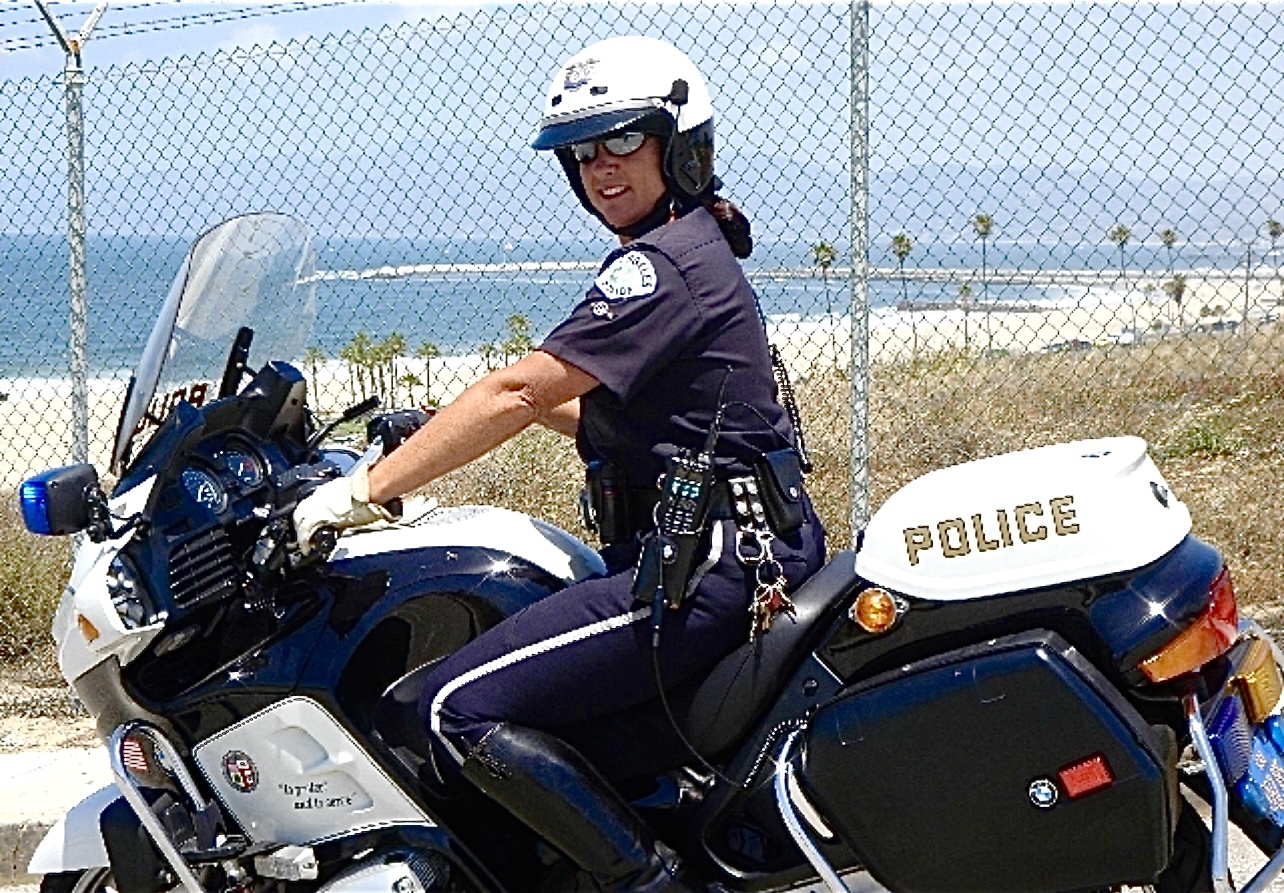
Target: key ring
column 770, row 573
column 757, row 536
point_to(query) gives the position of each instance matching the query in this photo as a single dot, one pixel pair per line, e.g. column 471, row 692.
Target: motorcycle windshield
column 256, row 271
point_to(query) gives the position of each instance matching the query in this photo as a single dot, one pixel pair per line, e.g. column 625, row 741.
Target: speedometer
column 204, row 488
column 242, row 466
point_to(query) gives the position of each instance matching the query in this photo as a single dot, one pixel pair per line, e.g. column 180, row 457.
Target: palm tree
column 824, row 256
column 313, row 357
column 983, row 225
column 428, row 352
column 357, row 354
column 386, row 354
column 902, row 245
column 1274, row 229
column 518, row 343
column 1175, row 288
column 1120, row 234
column 1168, row 238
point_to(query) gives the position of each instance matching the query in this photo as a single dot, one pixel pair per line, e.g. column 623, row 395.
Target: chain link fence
column 1057, row 207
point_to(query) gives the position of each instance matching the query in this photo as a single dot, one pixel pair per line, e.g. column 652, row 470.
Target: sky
column 139, row 30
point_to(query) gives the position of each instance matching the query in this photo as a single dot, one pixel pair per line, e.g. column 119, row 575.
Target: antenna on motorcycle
column 236, row 362
column 370, row 404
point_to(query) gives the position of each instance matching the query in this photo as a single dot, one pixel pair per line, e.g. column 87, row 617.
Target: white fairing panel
column 292, row 774
column 87, row 595
column 75, row 842
column 522, row 536
column 1024, row 520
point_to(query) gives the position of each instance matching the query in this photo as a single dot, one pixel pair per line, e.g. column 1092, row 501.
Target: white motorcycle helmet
column 633, row 83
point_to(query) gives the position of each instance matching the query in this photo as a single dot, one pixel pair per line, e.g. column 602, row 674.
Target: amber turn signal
column 1259, row 681
column 874, row 611
column 87, row 629
column 1210, row 636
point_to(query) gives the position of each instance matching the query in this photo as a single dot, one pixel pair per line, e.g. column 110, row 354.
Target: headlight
column 128, row 594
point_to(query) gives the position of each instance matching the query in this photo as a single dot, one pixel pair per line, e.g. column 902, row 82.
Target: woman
column 665, row 357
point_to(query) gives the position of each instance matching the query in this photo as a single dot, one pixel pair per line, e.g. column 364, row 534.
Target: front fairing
column 87, row 627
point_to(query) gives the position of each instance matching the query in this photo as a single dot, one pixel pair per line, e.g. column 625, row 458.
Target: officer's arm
column 534, row 389
column 564, row 419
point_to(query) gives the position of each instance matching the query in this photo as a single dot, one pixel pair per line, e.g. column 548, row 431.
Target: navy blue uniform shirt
column 667, row 317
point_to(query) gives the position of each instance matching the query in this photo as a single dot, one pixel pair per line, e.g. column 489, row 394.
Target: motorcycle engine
column 394, row 872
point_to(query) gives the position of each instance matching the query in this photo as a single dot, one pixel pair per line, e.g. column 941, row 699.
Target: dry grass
column 1211, row 408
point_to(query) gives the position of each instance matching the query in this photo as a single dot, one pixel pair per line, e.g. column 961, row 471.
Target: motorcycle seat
column 720, row 709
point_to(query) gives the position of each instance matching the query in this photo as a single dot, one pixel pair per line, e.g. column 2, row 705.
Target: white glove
column 341, row 503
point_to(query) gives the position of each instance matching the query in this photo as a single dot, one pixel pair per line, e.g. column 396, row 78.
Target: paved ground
column 36, row 790
column 38, row 787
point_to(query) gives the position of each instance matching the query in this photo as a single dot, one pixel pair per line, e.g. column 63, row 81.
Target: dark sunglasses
column 619, row 145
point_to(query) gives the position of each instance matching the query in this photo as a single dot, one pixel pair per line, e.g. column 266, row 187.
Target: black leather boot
column 545, row 783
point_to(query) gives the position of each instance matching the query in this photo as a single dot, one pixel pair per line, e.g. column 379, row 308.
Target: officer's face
column 625, row 188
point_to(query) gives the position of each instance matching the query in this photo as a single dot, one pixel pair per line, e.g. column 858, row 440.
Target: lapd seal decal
column 240, row 771
column 629, row 276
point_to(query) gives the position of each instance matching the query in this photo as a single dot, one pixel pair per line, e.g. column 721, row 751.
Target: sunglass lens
column 625, row 143
column 619, row 146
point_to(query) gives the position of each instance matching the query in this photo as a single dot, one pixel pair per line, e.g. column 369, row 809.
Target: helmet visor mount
column 555, row 133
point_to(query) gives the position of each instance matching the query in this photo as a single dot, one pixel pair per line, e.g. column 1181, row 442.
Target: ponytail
column 734, row 225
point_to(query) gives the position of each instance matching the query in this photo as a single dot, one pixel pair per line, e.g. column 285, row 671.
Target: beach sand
column 36, row 421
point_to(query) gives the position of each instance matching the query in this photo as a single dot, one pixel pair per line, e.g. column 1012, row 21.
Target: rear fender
column 76, row 842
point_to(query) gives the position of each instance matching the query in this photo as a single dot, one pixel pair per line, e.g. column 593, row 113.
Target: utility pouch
column 780, row 487
column 667, row 561
column 607, row 500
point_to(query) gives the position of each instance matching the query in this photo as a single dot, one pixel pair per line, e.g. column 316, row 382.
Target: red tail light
column 1212, row 633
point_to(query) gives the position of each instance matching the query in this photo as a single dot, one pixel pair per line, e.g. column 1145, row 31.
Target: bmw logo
column 1043, row 793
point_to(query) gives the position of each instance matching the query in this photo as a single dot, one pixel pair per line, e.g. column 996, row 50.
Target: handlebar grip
column 324, row 540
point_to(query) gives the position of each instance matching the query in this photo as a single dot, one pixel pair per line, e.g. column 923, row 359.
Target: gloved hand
column 341, row 503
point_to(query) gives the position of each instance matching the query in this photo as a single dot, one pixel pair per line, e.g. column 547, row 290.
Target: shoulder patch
column 630, row 275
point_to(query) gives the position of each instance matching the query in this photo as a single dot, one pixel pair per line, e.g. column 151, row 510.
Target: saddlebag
column 1008, row 766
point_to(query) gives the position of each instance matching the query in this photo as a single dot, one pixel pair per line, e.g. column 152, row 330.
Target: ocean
column 458, row 312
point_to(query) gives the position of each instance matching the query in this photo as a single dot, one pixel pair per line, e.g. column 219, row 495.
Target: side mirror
column 60, row 501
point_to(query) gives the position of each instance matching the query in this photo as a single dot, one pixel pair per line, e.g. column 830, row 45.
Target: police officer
column 667, row 347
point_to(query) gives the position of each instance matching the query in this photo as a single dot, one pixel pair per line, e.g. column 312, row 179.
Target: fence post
column 74, row 81
column 859, row 275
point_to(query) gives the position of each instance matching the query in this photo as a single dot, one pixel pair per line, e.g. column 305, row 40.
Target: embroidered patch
column 601, row 308
column 629, row 276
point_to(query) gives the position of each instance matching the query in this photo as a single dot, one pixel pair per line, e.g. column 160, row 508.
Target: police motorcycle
column 1022, row 678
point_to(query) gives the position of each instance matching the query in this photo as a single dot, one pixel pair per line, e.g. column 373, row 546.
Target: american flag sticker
column 134, row 757
column 240, row 771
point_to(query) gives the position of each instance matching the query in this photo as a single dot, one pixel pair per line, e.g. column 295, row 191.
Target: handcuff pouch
column 780, row 487
column 606, row 502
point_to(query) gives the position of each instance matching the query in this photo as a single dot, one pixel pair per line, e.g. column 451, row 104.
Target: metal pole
column 74, row 81
column 859, row 276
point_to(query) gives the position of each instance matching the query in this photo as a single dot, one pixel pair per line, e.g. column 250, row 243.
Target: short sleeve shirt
column 672, row 331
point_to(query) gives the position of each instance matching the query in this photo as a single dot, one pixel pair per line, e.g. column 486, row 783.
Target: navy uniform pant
column 579, row 664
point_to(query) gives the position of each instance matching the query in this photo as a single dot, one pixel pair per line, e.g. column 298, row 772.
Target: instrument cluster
column 213, row 478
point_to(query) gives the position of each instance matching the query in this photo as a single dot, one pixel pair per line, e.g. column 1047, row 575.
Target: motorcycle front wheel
column 91, row 880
